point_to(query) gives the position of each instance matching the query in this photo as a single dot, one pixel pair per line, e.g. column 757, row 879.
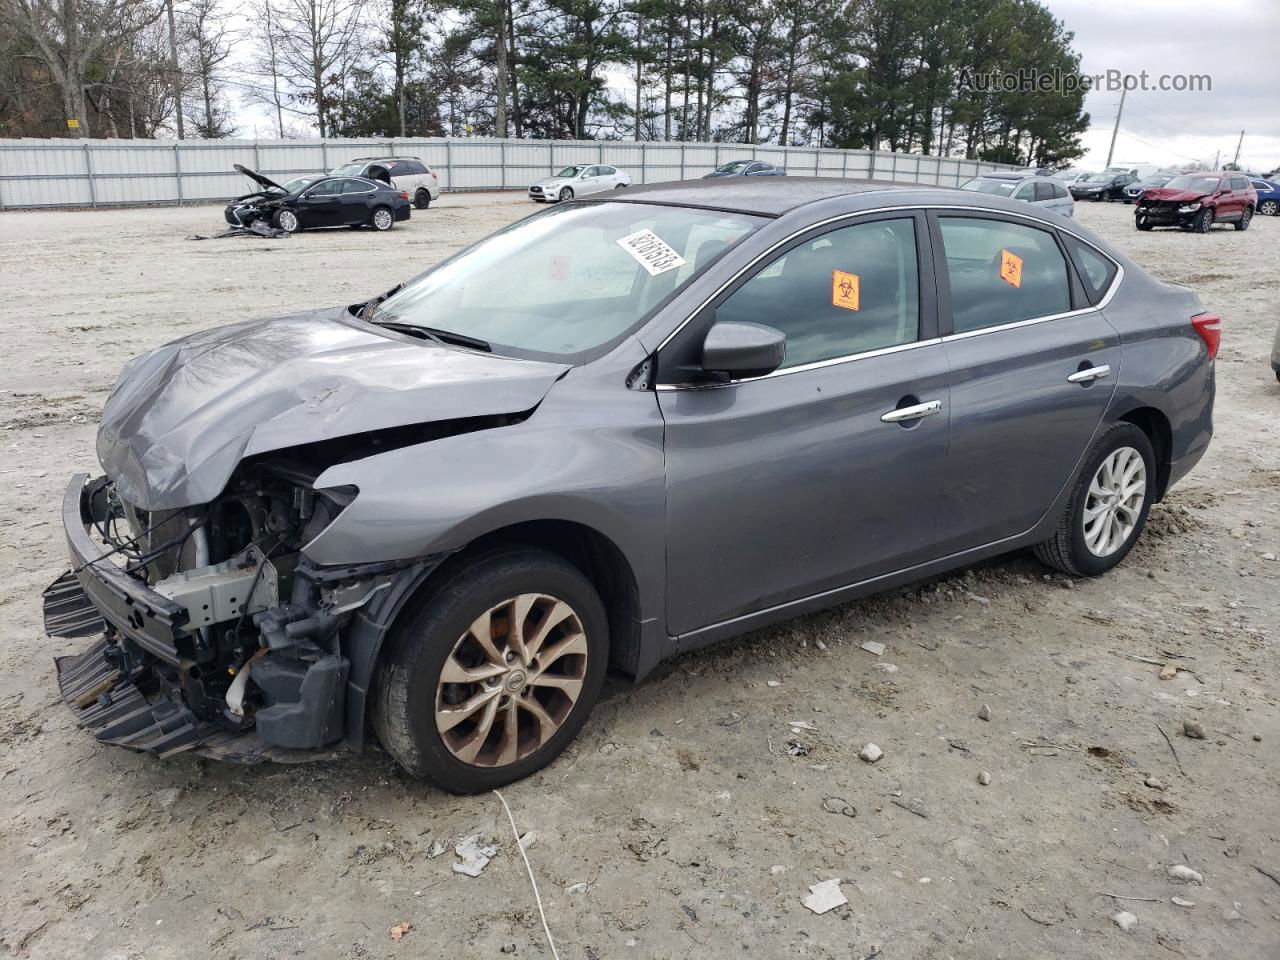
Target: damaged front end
column 217, row 633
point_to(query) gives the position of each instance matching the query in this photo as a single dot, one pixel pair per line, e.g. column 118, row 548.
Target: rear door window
column 844, row 292
column 1044, row 190
column 1239, row 183
column 1002, row 272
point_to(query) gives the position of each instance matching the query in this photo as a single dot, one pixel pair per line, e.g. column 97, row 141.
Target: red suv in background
column 1196, row 201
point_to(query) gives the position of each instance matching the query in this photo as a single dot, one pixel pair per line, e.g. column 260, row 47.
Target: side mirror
column 743, row 349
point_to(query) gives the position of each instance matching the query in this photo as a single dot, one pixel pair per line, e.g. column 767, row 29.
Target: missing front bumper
column 116, row 711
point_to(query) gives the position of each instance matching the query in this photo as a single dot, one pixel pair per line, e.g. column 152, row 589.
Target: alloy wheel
column 511, row 680
column 288, row 221
column 1269, row 208
column 1113, row 505
column 382, row 219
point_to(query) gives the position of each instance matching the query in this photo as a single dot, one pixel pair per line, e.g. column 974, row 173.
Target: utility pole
column 1216, row 157
column 1239, row 143
column 177, row 77
column 1114, row 130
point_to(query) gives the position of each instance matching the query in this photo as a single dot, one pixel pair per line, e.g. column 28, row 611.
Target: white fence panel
column 63, row 173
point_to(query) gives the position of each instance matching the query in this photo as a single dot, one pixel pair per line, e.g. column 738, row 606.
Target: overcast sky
column 1236, row 42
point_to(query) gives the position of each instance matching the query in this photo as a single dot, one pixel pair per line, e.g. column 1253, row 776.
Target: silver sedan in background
column 577, row 180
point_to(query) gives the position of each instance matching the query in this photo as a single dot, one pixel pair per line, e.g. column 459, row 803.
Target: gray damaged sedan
column 611, row 433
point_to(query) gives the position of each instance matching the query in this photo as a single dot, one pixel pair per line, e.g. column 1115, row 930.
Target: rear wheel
column 382, row 219
column 1108, row 507
column 1203, row 221
column 422, row 199
column 1243, row 222
column 1269, row 208
column 495, row 674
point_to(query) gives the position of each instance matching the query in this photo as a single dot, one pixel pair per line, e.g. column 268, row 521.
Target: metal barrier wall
column 92, row 173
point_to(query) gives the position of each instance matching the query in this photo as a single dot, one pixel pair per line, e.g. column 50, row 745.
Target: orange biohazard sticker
column 1011, row 268
column 844, row 290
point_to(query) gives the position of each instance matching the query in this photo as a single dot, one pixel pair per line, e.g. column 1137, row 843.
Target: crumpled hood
column 1183, row 196
column 181, row 417
column 265, row 182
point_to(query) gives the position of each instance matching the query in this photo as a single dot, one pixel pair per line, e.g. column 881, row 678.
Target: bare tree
column 265, row 65
column 206, row 40
column 69, row 34
column 316, row 43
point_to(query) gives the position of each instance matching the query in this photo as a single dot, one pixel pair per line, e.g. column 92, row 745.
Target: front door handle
column 1090, row 374
column 914, row 412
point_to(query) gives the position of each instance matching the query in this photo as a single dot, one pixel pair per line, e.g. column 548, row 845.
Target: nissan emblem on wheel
column 618, row 430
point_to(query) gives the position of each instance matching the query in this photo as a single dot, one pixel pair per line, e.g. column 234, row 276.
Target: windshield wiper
column 442, row 337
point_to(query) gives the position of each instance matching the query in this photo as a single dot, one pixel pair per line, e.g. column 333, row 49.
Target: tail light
column 1209, row 326
column 404, row 194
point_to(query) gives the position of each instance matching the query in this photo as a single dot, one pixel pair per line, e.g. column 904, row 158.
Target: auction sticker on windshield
column 651, row 252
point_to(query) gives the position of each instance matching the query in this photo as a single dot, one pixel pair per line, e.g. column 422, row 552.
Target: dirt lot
column 678, row 825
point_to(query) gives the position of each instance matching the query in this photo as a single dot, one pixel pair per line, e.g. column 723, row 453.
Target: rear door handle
column 913, row 412
column 1090, row 374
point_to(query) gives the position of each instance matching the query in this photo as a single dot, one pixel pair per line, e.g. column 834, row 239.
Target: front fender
column 590, row 454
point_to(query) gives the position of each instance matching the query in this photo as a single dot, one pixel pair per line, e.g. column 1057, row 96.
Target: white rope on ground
column 536, row 896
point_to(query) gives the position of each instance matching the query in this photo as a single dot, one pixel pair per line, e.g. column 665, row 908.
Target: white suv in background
column 409, row 174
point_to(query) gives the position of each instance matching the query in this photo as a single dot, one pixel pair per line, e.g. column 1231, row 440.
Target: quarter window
column 845, row 292
column 1002, row 273
column 1095, row 270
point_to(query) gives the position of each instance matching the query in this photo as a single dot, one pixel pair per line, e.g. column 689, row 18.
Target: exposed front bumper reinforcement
column 115, row 711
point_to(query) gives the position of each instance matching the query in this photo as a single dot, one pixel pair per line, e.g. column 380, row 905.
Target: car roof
column 379, row 159
column 768, row 197
column 1008, row 175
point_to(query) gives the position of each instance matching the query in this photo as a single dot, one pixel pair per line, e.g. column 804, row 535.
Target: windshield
column 733, row 166
column 1101, row 178
column 997, row 188
column 298, row 184
column 560, row 283
column 348, row 170
column 1198, row 184
column 571, row 171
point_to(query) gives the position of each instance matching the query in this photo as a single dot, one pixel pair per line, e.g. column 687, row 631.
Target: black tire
column 1066, row 550
column 1142, row 223
column 422, row 199
column 287, row 221
column 566, row 193
column 1203, row 221
column 1245, row 219
column 1269, row 208
column 379, row 222
column 404, row 695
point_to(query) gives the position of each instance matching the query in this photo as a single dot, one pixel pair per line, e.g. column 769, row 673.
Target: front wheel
column 1108, row 507
column 1243, row 222
column 495, row 673
column 382, row 219
column 565, row 194
column 1203, row 221
column 287, row 221
column 1142, row 223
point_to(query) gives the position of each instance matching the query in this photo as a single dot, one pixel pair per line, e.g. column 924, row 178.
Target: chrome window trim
column 1111, row 291
column 817, row 364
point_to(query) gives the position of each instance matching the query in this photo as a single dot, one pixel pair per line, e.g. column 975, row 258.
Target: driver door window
column 844, row 292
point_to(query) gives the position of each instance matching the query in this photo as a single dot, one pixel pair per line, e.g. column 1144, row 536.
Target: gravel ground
column 678, row 825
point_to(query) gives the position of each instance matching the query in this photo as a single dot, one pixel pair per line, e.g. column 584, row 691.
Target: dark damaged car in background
column 322, row 200
column 613, row 432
